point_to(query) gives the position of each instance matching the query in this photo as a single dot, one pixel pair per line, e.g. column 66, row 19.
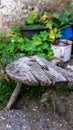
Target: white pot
column 62, row 50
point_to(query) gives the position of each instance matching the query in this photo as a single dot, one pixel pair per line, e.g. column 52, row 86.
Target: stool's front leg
column 14, row 95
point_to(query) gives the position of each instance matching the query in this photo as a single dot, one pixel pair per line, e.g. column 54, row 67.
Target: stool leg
column 60, row 106
column 14, row 95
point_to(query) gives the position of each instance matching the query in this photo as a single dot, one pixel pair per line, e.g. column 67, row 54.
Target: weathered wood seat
column 36, row 71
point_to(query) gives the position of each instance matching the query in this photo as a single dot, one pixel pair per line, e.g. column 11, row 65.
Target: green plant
column 32, row 17
column 33, row 20
column 63, row 19
column 15, row 46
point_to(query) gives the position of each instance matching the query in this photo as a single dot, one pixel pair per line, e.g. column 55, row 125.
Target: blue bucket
column 67, row 33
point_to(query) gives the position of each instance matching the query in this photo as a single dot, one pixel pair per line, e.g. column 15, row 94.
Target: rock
column 14, row 12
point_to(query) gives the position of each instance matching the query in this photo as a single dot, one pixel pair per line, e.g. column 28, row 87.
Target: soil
column 29, row 114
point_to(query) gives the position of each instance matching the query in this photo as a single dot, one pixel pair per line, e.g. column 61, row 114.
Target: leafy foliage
column 32, row 16
column 14, row 45
column 63, row 19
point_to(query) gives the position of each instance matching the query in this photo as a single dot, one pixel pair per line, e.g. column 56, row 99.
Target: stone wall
column 14, row 12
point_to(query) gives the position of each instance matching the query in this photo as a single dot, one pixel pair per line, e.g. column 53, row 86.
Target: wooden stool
column 36, row 71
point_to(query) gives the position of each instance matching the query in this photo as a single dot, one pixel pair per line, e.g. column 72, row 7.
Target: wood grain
column 38, row 71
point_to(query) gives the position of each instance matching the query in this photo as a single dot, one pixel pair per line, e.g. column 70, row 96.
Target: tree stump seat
column 36, row 71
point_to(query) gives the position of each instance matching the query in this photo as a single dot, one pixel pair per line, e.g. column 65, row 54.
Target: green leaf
column 55, row 15
column 71, row 4
column 2, row 35
column 21, row 47
column 32, row 16
column 36, row 40
column 44, row 35
column 11, row 47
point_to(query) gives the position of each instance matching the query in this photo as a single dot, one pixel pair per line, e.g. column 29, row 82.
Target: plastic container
column 67, row 33
column 29, row 32
column 62, row 51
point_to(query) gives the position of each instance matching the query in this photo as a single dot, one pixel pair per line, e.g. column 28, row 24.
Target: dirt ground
column 32, row 115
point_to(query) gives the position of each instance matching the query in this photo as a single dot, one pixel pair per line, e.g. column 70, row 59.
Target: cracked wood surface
column 38, row 71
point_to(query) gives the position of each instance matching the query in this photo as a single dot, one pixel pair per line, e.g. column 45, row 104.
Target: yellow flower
column 11, row 35
column 52, row 34
column 44, row 17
